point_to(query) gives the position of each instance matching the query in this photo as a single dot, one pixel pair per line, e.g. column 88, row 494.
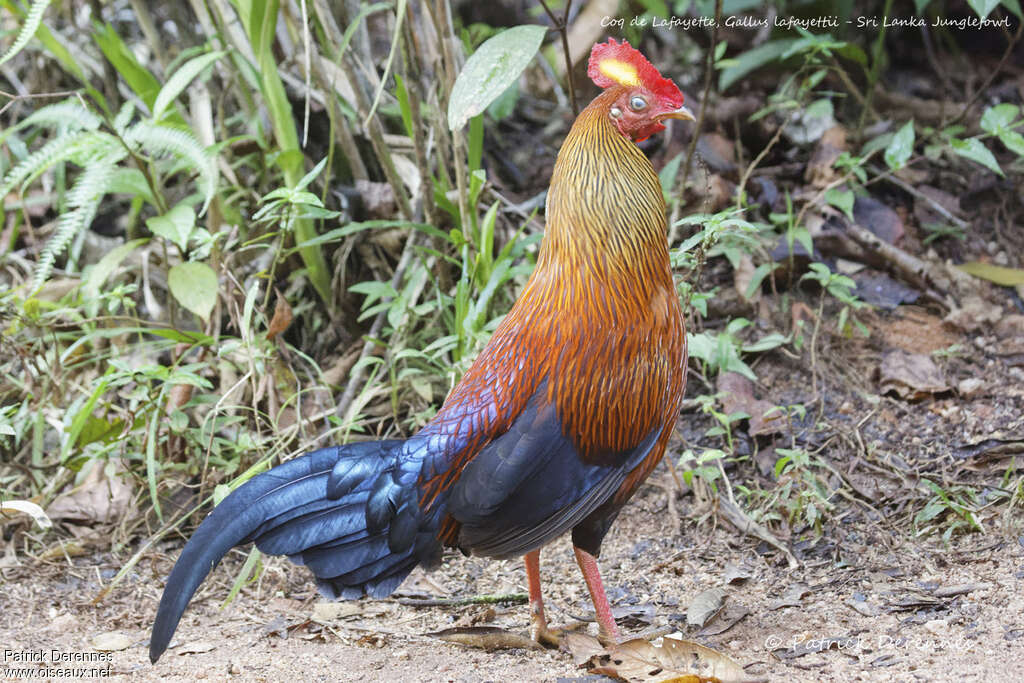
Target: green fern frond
column 156, row 139
column 28, row 29
column 124, row 117
column 68, row 115
column 83, row 200
column 62, row 148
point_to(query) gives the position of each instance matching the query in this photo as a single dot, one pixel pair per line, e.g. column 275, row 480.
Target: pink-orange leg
column 602, row 610
column 539, row 630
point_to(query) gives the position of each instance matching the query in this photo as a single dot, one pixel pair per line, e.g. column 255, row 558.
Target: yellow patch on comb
column 621, row 72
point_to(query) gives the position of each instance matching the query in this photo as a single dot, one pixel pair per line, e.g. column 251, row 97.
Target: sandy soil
column 877, row 600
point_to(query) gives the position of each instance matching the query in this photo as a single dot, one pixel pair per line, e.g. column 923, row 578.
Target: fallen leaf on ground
column 99, row 498
column 705, row 606
column 881, row 290
column 487, row 638
column 11, row 507
column 974, row 313
column 793, row 597
column 1007, row 277
column 912, row 376
column 330, row 611
column 733, row 614
column 736, row 573
column 111, row 642
column 820, row 171
column 879, row 219
column 674, row 660
column 738, row 397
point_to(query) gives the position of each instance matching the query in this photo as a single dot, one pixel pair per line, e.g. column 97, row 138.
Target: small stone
column 970, row 387
column 1010, row 326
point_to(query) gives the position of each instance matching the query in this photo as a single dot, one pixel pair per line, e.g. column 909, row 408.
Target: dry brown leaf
column 736, row 573
column 582, row 647
column 912, row 376
column 487, row 638
column 733, row 614
column 111, row 642
column 674, row 660
column 738, row 397
column 974, row 313
column 330, row 611
column 819, row 171
column 282, row 317
column 791, row 598
column 99, row 498
column 63, row 549
column 705, row 606
column 378, row 198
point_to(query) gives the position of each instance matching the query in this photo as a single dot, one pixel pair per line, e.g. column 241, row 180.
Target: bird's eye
column 637, row 103
column 615, row 112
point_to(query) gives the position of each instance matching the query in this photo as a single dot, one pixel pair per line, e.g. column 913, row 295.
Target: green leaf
column 668, row 175
column 28, row 29
column 176, row 225
column 999, row 118
column 180, row 80
column 1014, row 141
column 194, row 285
column 735, row 69
column 900, row 147
column 1013, row 6
column 841, row 199
column 138, row 77
column 766, row 343
column 975, row 150
column 505, row 104
column 99, row 273
column 983, row 7
column 492, row 69
column 1007, row 277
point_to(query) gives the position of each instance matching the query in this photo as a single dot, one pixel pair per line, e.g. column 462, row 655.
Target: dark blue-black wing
column 530, row 485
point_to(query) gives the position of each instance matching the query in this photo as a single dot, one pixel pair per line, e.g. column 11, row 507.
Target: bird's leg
column 539, row 630
column 602, row 610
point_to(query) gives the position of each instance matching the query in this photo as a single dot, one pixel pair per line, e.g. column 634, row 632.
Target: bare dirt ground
column 888, row 610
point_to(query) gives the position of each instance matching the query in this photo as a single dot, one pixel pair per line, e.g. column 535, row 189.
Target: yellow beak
column 681, row 113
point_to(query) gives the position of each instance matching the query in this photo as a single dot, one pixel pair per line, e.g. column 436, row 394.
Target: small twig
column 39, row 95
column 561, row 25
column 510, row 598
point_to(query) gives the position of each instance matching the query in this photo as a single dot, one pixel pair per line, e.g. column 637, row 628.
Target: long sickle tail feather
column 349, row 513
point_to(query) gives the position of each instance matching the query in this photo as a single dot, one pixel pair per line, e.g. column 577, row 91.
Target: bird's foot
column 552, row 636
column 546, row 636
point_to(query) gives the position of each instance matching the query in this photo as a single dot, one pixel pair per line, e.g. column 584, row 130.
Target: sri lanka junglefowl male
column 558, row 421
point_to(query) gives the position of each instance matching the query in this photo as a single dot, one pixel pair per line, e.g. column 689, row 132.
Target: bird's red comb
column 615, row 63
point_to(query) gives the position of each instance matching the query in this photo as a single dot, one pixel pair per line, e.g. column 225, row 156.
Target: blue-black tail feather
column 349, row 513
